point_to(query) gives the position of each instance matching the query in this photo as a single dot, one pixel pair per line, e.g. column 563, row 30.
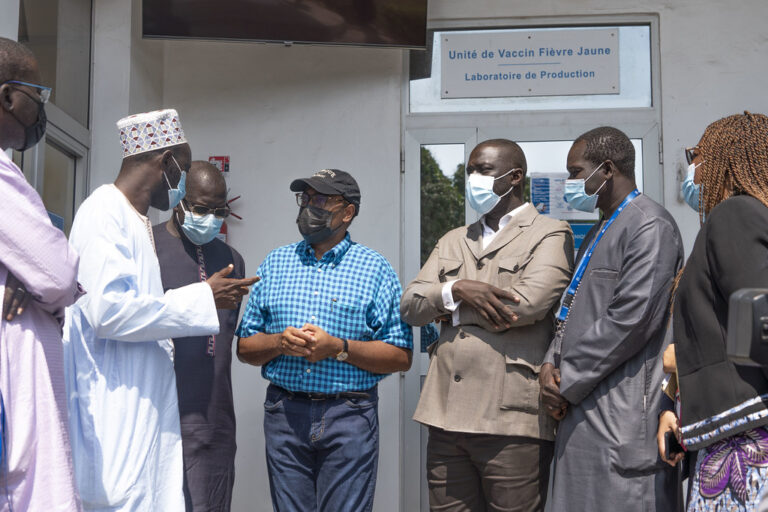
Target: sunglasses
column 317, row 200
column 43, row 91
column 691, row 153
column 199, row 209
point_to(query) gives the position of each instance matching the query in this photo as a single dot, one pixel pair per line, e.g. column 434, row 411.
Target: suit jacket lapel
column 474, row 239
column 516, row 226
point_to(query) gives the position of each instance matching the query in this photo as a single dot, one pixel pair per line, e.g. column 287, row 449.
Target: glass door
column 433, row 203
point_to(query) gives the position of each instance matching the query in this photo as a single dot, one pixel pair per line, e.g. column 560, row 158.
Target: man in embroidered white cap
column 123, row 411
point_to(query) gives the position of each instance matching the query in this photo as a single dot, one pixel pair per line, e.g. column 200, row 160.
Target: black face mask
column 315, row 224
column 34, row 132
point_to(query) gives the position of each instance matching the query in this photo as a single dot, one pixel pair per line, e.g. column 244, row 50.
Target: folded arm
column 422, row 301
column 34, row 251
column 542, row 282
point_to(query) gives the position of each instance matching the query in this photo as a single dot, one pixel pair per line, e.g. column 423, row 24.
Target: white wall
column 281, row 113
column 127, row 77
column 110, row 86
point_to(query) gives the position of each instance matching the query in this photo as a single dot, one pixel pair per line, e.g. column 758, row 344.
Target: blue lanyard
column 582, row 267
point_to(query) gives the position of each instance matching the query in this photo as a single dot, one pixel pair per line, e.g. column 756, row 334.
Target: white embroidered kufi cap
column 149, row 131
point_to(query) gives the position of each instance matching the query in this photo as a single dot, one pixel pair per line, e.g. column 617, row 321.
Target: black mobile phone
column 671, row 446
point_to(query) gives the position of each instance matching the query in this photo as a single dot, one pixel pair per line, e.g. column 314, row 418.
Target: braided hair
column 735, row 153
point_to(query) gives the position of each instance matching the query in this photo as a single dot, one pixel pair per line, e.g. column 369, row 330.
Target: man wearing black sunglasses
column 38, row 272
column 188, row 251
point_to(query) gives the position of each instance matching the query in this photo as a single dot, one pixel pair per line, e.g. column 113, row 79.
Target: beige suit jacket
column 480, row 380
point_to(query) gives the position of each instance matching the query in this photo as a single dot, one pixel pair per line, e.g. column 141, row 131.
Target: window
column 59, row 34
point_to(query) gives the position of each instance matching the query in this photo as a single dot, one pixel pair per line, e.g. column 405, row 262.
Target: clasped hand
column 15, row 298
column 551, row 399
column 487, row 300
column 310, row 342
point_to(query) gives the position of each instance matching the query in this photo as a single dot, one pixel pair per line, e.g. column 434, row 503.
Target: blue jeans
column 321, row 454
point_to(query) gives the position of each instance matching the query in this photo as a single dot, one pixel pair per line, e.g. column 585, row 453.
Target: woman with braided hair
column 723, row 406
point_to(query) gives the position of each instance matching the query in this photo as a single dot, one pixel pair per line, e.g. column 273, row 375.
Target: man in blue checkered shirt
column 324, row 324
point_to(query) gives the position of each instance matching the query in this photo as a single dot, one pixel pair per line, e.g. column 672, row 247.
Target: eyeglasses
column 199, row 209
column 317, row 200
column 43, row 91
column 691, row 153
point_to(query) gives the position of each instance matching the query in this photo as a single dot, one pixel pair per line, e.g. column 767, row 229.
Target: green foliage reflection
column 442, row 202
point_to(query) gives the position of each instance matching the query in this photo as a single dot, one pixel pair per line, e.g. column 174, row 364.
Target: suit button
column 480, row 265
column 457, row 378
column 462, row 335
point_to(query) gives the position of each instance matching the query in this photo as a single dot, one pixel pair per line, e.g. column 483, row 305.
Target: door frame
column 412, row 448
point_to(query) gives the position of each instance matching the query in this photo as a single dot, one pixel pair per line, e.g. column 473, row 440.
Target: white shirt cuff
column 449, row 304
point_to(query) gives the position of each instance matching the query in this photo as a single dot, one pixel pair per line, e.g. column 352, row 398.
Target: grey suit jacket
column 482, row 380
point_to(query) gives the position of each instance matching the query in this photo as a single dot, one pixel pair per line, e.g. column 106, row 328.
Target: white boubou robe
column 123, row 411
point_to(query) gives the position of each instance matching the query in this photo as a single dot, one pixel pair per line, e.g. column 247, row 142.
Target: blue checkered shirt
column 352, row 293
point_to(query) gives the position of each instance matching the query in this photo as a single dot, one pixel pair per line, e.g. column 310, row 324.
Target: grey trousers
column 481, row 472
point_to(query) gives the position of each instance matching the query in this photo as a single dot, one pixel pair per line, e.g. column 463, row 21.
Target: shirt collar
column 333, row 256
column 4, row 157
column 504, row 220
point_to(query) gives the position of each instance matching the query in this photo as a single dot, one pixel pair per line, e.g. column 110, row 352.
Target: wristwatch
column 342, row 356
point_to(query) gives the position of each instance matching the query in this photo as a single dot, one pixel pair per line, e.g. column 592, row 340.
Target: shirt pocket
column 349, row 317
column 448, row 269
column 520, row 390
column 511, row 268
column 604, row 273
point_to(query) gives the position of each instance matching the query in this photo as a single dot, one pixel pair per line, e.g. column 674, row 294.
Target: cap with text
column 331, row 182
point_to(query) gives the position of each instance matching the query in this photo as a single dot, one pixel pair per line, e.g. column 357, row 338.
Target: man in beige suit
column 495, row 286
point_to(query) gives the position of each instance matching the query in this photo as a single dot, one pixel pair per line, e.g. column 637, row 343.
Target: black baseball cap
column 331, row 182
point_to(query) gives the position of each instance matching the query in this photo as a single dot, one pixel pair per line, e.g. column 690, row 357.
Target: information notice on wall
column 507, row 63
column 548, row 196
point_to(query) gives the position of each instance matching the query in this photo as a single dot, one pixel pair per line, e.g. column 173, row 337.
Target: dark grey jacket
column 610, row 363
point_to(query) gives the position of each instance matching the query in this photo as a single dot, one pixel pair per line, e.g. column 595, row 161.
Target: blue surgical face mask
column 691, row 190
column 200, row 229
column 479, row 192
column 175, row 195
column 576, row 195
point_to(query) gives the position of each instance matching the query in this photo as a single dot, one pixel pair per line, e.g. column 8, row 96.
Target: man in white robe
column 123, row 410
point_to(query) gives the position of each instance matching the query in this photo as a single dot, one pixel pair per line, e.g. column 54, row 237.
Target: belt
column 324, row 396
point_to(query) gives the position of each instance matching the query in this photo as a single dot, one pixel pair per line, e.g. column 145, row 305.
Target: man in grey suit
column 495, row 286
column 603, row 372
